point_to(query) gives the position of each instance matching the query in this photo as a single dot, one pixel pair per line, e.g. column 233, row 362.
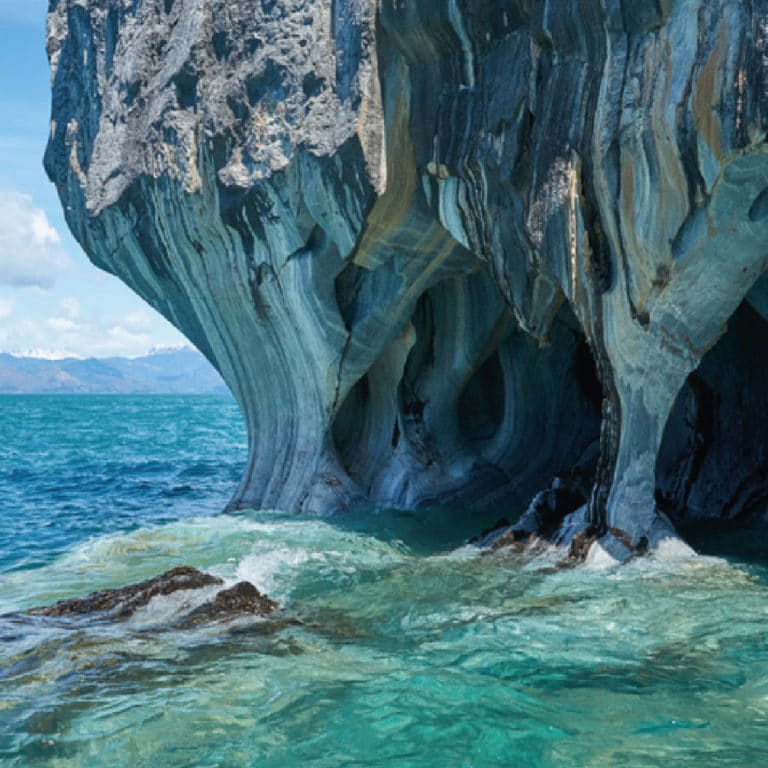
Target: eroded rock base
column 558, row 519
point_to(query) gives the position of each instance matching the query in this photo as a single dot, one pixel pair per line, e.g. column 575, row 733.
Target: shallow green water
column 397, row 646
column 402, row 657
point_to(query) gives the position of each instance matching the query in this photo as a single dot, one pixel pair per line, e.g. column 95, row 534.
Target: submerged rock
column 440, row 252
column 121, row 602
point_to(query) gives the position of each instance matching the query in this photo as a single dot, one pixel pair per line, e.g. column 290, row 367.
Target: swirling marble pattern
column 440, row 252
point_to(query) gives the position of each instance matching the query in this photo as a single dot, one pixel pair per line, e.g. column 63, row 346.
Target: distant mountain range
column 172, row 371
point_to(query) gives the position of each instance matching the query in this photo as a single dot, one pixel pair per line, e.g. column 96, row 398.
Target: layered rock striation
column 440, row 252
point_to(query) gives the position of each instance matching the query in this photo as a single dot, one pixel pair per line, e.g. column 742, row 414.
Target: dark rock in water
column 543, row 518
column 499, row 525
column 123, row 601
column 550, row 507
column 441, row 251
column 240, row 600
column 514, row 539
column 581, row 544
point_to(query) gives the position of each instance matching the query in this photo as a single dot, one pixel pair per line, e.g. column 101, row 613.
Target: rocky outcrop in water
column 241, row 599
column 440, row 252
column 121, row 602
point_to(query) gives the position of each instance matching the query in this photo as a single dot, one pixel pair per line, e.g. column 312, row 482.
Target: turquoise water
column 72, row 467
column 405, row 647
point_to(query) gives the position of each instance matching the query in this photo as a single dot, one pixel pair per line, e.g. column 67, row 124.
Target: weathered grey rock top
column 439, row 251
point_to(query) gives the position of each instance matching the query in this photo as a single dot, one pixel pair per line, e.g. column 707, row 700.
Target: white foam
column 602, row 555
column 164, row 609
column 673, row 548
column 273, row 572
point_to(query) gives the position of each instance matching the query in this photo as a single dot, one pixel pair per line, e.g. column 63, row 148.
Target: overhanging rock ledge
column 440, row 252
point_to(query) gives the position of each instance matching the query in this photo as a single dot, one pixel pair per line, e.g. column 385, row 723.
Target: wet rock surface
column 242, row 599
column 439, row 252
column 557, row 520
column 121, row 602
column 543, row 519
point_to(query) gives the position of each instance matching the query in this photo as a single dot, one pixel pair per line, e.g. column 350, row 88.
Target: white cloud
column 7, row 307
column 30, row 248
column 62, row 323
column 57, row 337
column 139, row 320
column 127, row 337
column 70, row 306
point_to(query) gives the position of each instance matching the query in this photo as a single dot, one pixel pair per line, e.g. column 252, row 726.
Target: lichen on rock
column 440, row 252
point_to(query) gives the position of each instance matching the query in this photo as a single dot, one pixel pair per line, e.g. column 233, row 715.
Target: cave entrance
column 350, row 424
column 467, row 412
column 712, row 467
column 481, row 403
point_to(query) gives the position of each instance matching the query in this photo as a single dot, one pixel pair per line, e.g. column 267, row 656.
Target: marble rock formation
column 440, row 251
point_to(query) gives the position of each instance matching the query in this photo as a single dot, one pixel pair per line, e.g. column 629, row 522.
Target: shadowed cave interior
column 493, row 408
column 465, row 409
column 712, row 464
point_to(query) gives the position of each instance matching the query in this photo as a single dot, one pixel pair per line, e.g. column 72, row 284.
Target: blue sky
column 53, row 301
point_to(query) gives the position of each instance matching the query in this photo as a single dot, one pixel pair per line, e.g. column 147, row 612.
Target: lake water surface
column 406, row 647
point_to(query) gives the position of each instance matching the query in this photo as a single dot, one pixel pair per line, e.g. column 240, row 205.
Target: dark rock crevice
column 713, row 461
